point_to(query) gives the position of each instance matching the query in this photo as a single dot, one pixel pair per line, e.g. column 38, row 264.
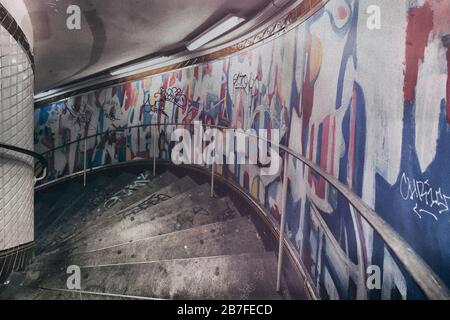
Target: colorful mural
column 370, row 106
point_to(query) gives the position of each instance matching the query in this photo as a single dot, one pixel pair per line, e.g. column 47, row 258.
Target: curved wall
column 16, row 129
column 370, row 106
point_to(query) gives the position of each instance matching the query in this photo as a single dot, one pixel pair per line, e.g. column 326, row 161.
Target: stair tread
column 234, row 236
column 8, row 292
column 72, row 227
column 172, row 215
column 54, row 206
column 175, row 188
column 154, row 185
column 136, row 237
column 242, row 276
column 125, row 218
column 89, row 199
column 148, row 201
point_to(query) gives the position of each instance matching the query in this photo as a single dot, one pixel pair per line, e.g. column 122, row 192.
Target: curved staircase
column 137, row 237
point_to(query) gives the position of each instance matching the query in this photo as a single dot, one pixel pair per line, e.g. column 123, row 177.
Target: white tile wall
column 16, row 128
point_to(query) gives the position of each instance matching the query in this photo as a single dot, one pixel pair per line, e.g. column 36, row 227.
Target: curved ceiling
column 115, row 32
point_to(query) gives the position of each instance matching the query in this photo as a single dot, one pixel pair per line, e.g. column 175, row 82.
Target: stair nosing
column 107, row 294
column 255, row 254
column 160, row 235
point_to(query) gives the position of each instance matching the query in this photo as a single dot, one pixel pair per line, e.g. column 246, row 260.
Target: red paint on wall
column 441, row 17
column 128, row 93
column 314, row 180
column 172, row 80
column 311, row 144
column 326, row 152
column 420, row 24
column 196, row 72
column 342, row 12
column 207, row 70
column 325, row 144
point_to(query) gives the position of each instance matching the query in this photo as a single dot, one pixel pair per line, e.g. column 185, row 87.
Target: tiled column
column 16, row 128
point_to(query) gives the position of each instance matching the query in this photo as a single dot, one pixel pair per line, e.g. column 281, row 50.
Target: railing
column 323, row 186
column 15, row 259
column 40, row 166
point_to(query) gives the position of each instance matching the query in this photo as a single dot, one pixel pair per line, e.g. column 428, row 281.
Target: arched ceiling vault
column 117, row 32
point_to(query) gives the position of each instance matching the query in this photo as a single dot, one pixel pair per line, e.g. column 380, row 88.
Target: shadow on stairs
column 136, row 237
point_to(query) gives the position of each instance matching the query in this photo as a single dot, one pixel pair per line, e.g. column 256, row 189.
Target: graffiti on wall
column 371, row 112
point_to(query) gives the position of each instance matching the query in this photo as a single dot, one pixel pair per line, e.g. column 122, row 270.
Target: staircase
column 136, row 237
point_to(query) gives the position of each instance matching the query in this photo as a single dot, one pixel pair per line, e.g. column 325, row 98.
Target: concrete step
column 95, row 193
column 45, row 200
column 54, row 205
column 9, row 292
column 126, row 196
column 181, row 212
column 132, row 194
column 74, row 196
column 234, row 236
column 243, row 276
column 182, row 185
column 165, row 238
column 12, row 292
column 97, row 222
column 93, row 222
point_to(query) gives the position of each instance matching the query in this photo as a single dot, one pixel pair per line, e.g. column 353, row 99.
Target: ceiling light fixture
column 44, row 94
column 224, row 25
column 139, row 66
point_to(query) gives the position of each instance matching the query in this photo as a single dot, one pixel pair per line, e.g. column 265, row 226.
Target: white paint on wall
column 380, row 73
column 430, row 90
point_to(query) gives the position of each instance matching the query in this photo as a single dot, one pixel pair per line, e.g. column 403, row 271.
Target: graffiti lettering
column 428, row 200
column 174, row 95
column 152, row 201
column 244, row 82
column 111, row 115
column 81, row 115
column 142, row 180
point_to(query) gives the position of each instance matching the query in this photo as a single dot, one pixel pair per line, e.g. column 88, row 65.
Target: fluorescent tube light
column 224, row 25
column 139, row 66
column 44, row 94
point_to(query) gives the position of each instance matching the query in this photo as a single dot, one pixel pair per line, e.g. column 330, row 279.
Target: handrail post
column 213, row 158
column 85, row 162
column 154, row 154
column 212, row 176
column 283, row 220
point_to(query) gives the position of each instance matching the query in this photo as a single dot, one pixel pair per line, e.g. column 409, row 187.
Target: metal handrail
column 33, row 154
column 431, row 285
column 113, row 131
